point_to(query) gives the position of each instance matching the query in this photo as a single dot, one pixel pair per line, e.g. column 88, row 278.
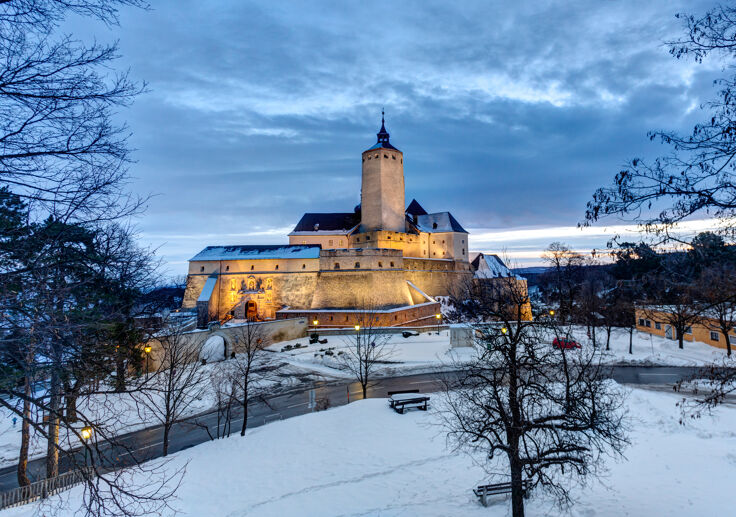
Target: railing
column 43, row 488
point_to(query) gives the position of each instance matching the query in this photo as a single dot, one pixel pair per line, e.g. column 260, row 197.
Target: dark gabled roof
column 337, row 222
column 439, row 222
column 415, row 208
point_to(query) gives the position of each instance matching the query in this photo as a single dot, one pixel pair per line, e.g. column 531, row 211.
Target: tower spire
column 383, row 135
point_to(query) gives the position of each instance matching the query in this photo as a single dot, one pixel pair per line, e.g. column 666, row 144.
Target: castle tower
column 382, row 192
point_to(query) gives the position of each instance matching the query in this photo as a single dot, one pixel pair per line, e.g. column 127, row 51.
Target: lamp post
column 147, row 350
column 552, row 313
column 438, row 316
column 315, row 322
column 86, row 434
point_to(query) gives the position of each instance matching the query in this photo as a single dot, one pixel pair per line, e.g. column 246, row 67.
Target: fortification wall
column 355, row 289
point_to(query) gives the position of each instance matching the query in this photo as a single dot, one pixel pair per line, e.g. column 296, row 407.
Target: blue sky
column 509, row 114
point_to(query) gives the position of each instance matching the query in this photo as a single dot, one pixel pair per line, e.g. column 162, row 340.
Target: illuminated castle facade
column 383, row 253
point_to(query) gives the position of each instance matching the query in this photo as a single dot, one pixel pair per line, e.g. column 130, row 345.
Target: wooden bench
column 407, row 399
column 484, row 491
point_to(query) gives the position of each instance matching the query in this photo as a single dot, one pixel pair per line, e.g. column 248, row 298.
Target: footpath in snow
column 365, row 459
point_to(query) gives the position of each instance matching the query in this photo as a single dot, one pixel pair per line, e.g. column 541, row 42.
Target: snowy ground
column 119, row 413
column 364, row 459
column 429, row 351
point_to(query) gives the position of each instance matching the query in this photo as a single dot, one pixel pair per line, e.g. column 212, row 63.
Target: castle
column 393, row 257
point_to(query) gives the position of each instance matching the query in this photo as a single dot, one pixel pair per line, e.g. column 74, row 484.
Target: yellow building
column 653, row 320
column 382, row 253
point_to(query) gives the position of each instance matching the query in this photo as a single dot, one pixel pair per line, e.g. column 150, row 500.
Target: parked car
column 567, row 344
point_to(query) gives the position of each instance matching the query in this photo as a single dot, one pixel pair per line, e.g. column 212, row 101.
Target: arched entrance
column 251, row 310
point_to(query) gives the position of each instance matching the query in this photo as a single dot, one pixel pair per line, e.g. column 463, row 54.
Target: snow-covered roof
column 491, row 266
column 208, row 289
column 439, row 222
column 303, row 251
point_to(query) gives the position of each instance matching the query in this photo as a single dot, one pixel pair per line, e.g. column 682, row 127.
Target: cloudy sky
column 509, row 114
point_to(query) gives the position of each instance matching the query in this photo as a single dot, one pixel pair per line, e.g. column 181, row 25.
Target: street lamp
column 357, row 328
column 439, row 317
column 504, row 330
column 147, row 350
column 315, row 322
column 86, row 434
column 551, row 312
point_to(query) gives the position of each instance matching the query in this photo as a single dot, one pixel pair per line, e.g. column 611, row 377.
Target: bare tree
column 223, row 385
column 176, row 384
column 566, row 277
column 367, row 348
column 550, row 413
column 717, row 286
column 697, row 175
column 255, row 368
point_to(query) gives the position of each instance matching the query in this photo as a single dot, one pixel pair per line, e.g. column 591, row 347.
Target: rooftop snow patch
column 491, row 266
column 439, row 222
column 304, row 251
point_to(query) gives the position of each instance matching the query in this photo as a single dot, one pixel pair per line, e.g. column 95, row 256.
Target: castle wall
column 336, row 241
column 412, row 316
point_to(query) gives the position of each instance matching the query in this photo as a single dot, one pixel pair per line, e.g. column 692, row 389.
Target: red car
column 567, row 344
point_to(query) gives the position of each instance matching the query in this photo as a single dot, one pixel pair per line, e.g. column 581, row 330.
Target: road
column 147, row 443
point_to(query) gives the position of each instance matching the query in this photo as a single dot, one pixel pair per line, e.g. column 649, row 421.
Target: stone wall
column 273, row 331
column 351, row 289
column 412, row 316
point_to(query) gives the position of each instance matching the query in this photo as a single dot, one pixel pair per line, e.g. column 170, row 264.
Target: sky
column 509, row 114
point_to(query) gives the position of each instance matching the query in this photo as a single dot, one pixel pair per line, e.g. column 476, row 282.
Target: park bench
column 400, row 400
column 483, row 491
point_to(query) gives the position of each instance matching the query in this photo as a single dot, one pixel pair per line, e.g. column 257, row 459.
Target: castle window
column 443, row 242
column 337, row 265
column 251, row 284
column 358, row 239
column 388, row 237
column 277, row 266
column 434, row 226
column 380, row 264
column 340, row 243
column 376, row 156
column 434, row 242
column 227, row 268
column 304, row 266
column 251, row 267
column 392, row 264
column 330, row 318
column 304, row 242
column 402, row 160
column 463, row 251
column 385, row 156
column 434, row 253
column 201, row 269
column 393, row 156
column 357, row 265
column 463, row 241
column 330, row 242
column 367, row 237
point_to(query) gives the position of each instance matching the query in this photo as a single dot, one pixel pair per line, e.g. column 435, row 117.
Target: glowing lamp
column 504, row 330
column 86, row 433
column 357, row 328
column 147, row 349
column 438, row 316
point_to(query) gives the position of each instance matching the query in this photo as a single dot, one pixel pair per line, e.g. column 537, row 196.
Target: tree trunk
column 608, row 339
column 245, row 415
column 631, row 340
column 71, row 407
column 365, row 390
column 167, row 428
column 25, row 436
column 680, row 339
column 119, row 372
column 728, row 343
column 517, row 487
column 52, row 450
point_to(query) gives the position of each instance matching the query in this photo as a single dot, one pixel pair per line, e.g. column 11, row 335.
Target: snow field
column 364, row 459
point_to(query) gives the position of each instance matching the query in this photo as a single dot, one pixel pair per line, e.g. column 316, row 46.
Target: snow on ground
column 365, row 459
column 119, row 413
column 428, row 351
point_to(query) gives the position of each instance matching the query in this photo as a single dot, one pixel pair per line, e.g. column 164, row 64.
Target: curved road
column 147, row 442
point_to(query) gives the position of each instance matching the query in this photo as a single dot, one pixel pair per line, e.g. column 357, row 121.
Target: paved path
column 147, row 443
